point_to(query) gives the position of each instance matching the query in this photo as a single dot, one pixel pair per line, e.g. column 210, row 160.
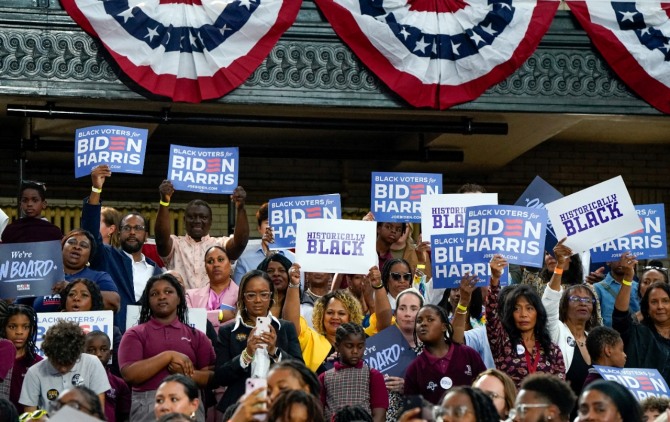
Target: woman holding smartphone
column 239, row 340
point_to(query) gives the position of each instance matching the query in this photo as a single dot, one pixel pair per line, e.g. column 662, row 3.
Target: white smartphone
column 253, row 384
column 262, row 325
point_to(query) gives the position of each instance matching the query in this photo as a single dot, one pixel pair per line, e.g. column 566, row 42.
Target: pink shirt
column 188, row 257
column 227, row 297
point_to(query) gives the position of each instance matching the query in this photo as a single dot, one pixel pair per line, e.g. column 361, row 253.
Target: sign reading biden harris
column 516, row 233
column 396, row 197
column 122, row 148
column 285, row 212
column 206, row 170
column 336, row 246
column 594, row 215
column 648, row 243
column 30, row 269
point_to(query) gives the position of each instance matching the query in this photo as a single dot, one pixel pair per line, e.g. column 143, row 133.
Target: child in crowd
column 443, row 363
column 18, row 324
column 117, row 398
column 352, row 381
column 66, row 366
column 605, row 346
column 653, row 407
column 31, row 227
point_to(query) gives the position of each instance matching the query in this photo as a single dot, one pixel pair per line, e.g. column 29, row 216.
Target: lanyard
column 532, row 365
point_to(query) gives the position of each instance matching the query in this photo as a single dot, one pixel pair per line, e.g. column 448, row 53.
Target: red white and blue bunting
column 188, row 50
column 634, row 39
column 438, row 53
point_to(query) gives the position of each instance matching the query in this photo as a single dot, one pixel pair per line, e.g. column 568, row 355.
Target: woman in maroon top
column 516, row 326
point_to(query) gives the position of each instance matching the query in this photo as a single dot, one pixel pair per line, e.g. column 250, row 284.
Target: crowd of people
column 281, row 345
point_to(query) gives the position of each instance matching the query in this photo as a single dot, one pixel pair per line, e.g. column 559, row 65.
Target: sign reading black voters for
column 285, row 212
column 594, row 215
column 206, row 170
column 336, row 246
column 396, row 197
column 122, row 148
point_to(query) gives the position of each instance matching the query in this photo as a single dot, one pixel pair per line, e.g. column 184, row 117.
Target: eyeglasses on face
column 128, row 229
column 73, row 242
column 451, row 411
column 521, row 409
column 35, row 414
column 251, row 296
column 397, row 276
column 583, row 300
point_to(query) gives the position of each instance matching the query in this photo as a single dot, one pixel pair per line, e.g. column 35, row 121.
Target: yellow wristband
column 96, row 190
column 461, row 307
column 165, row 204
column 558, row 270
column 626, row 283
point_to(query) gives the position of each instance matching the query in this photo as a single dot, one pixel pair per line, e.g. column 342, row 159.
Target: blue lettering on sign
column 591, row 215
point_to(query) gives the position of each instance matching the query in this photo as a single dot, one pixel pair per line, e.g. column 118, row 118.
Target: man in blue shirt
column 608, row 289
column 257, row 250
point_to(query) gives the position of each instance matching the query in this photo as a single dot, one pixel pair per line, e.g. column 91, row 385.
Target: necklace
column 313, row 295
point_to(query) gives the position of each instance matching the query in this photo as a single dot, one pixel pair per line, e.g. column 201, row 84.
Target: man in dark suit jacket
column 129, row 268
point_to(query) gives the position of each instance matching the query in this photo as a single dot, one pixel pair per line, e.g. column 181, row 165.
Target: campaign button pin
column 446, row 383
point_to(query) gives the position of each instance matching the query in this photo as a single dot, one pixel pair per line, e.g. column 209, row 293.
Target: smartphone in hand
column 262, row 325
column 253, row 384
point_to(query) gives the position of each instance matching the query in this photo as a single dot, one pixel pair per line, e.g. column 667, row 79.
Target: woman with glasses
column 500, row 388
column 219, row 296
column 465, row 404
column 238, row 341
column 79, row 398
column 79, row 248
column 330, row 311
column 571, row 313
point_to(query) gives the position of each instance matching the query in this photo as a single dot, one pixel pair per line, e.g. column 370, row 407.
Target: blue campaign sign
column 396, row 197
column 538, row 193
column 517, row 233
column 642, row 382
column 449, row 263
column 648, row 243
column 284, row 212
column 205, row 170
column 122, row 148
column 388, row 352
column 30, row 269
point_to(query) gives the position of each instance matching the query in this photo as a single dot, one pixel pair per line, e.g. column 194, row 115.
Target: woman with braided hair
column 162, row 343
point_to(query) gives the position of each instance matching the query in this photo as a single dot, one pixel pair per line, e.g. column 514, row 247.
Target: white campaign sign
column 594, row 215
column 445, row 214
column 88, row 321
column 336, row 246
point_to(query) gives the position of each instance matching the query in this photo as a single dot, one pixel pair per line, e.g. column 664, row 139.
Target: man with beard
column 127, row 265
column 186, row 253
column 608, row 289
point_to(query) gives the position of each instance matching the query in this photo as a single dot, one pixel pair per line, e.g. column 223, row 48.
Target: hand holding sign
column 166, row 190
column 294, row 273
column 497, row 264
column 468, row 285
column 99, row 174
column 562, row 254
column 239, row 196
column 628, row 263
